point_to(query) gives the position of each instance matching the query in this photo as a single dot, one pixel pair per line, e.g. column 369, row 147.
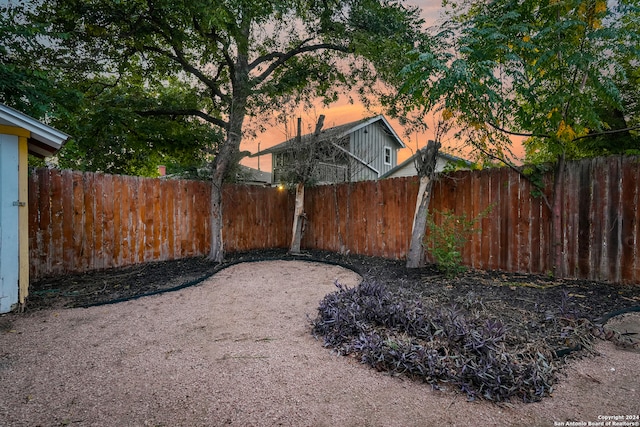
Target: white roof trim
column 373, row 120
column 40, row 132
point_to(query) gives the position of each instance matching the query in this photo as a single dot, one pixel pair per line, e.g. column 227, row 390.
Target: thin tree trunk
column 305, row 172
column 556, row 222
column 426, row 166
column 298, row 219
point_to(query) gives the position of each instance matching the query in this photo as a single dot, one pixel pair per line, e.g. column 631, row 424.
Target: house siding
column 368, row 144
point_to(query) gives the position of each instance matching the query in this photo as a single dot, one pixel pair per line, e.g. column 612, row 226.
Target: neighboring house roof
column 336, row 133
column 251, row 175
column 44, row 140
column 410, row 169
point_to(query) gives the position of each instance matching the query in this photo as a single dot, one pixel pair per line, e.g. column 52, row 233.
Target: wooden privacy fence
column 80, row 222
column 85, row 221
column 600, row 218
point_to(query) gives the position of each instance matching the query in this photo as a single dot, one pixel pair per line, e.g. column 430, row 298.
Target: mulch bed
column 529, row 305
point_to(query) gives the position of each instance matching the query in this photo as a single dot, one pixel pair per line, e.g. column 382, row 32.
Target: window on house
column 387, row 155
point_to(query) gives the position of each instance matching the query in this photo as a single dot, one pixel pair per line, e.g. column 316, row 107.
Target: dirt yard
column 236, row 349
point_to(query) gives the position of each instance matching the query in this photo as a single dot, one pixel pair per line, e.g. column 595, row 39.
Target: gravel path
column 237, row 350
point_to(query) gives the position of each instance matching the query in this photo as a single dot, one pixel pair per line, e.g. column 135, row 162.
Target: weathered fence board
column 84, row 221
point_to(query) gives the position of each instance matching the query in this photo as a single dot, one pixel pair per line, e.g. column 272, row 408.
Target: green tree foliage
column 100, row 112
column 113, row 134
column 550, row 71
column 219, row 65
column 25, row 84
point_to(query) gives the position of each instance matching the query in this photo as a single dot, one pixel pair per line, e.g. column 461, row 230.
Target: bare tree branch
column 179, row 58
column 186, row 112
column 273, row 55
column 284, row 57
column 607, row 132
column 508, row 132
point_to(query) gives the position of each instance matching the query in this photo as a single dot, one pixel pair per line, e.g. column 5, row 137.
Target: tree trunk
column 216, row 252
column 305, row 170
column 227, row 153
column 556, row 222
column 426, row 165
column 225, row 156
column 298, row 219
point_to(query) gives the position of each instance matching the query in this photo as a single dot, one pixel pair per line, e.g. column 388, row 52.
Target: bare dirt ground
column 236, row 349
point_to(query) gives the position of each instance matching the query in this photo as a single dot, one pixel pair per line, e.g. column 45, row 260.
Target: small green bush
column 447, row 237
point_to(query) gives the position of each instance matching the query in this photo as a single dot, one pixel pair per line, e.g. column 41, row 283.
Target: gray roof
column 334, row 134
column 255, row 175
column 44, row 140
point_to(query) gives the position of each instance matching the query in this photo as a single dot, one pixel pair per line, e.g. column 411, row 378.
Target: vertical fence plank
column 108, row 220
column 569, row 219
column 408, row 199
column 126, row 222
column 203, row 217
column 67, row 243
column 147, row 220
column 505, row 221
column 494, row 237
column 56, row 254
column 598, row 221
column 340, row 204
column 597, row 239
column 35, row 269
column 482, row 191
column 179, row 216
column 585, row 205
column 466, row 208
column 524, row 234
column 312, row 225
column 363, row 212
column 78, row 221
column 391, row 216
column 614, row 214
column 475, row 209
column 98, row 218
column 629, row 210
column 169, row 218
column 116, row 211
column 43, row 239
column 513, row 224
column 636, row 269
column 119, row 220
column 138, row 213
column 88, row 243
column 163, row 244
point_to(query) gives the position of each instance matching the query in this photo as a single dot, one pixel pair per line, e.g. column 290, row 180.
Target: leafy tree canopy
column 557, row 72
column 160, row 80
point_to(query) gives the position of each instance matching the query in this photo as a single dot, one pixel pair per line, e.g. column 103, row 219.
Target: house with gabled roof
column 444, row 162
column 362, row 150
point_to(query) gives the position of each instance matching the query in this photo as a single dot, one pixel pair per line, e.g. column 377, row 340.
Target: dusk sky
column 343, row 112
